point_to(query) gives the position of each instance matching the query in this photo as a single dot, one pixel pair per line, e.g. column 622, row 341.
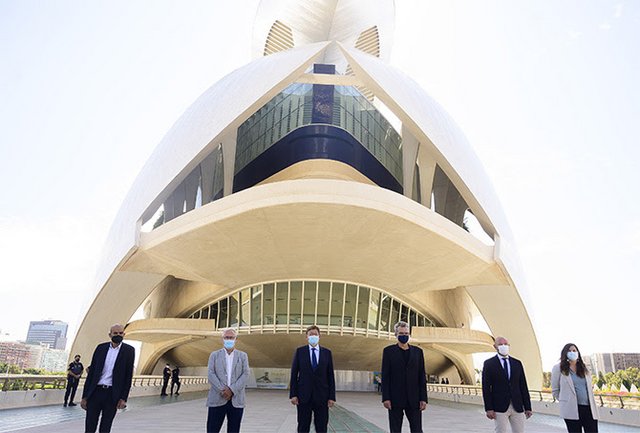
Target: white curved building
column 315, row 185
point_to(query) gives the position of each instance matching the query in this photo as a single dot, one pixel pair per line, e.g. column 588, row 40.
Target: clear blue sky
column 546, row 92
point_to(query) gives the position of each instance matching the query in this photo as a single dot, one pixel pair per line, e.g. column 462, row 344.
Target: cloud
column 605, row 26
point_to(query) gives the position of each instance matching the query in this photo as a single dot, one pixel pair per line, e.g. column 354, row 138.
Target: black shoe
column 163, row 395
column 64, row 404
column 177, row 393
column 72, row 404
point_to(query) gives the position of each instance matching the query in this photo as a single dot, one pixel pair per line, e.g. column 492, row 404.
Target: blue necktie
column 314, row 360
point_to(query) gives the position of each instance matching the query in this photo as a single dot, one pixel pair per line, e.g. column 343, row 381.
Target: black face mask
column 403, row 339
column 77, row 359
column 117, row 339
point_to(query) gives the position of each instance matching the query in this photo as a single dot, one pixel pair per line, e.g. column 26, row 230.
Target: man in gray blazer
column 228, row 374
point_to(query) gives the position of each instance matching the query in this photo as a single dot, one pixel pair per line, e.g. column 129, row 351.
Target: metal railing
column 608, row 400
column 23, row 382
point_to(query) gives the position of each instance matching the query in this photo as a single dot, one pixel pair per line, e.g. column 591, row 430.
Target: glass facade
column 292, row 109
column 285, row 306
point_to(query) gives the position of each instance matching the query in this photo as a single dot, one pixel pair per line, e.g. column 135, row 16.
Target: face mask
column 503, row 349
column 117, row 339
column 228, row 344
column 403, row 339
column 572, row 356
column 77, row 359
column 313, row 339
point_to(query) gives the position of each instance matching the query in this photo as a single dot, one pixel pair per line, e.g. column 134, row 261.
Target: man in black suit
column 166, row 374
column 504, row 389
column 404, row 381
column 108, row 382
column 313, row 384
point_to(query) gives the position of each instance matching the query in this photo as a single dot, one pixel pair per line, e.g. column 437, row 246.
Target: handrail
column 24, row 382
column 608, row 400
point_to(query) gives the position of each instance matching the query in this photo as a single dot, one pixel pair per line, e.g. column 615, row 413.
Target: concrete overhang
column 318, row 229
column 192, row 340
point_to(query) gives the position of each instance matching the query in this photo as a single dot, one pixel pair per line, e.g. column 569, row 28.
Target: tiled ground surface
column 267, row 411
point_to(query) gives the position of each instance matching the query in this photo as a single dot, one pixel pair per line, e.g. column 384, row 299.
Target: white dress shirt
column 106, row 378
column 317, row 353
column 229, row 365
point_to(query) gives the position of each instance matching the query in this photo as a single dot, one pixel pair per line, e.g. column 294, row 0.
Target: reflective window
column 268, row 304
column 374, row 309
column 223, row 314
column 234, row 304
column 245, row 307
column 324, row 288
column 306, row 303
column 385, row 311
column 309, row 302
column 256, row 305
column 350, row 304
column 295, row 302
column 282, row 301
column 337, row 303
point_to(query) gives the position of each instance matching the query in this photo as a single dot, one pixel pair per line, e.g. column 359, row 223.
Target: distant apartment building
column 612, row 362
column 49, row 332
column 15, row 353
column 38, row 356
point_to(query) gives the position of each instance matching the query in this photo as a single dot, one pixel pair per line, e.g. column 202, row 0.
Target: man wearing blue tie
column 504, row 389
column 313, row 384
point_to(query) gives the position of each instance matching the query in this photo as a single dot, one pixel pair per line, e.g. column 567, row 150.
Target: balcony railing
column 608, row 400
column 20, row 382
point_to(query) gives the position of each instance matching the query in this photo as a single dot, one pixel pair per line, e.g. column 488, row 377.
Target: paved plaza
column 267, row 411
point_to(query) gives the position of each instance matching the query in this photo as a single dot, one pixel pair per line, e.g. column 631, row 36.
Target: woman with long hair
column 571, row 386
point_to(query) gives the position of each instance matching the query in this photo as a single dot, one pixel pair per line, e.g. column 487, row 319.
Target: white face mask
column 503, row 349
column 572, row 356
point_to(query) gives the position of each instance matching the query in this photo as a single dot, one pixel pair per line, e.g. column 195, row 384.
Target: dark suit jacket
column 122, row 371
column 404, row 384
column 312, row 386
column 498, row 391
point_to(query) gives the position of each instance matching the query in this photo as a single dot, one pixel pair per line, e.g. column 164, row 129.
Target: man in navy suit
column 404, row 381
column 313, row 384
column 504, row 389
column 109, row 380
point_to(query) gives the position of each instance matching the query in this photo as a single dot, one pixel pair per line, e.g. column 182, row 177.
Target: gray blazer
column 218, row 377
column 563, row 390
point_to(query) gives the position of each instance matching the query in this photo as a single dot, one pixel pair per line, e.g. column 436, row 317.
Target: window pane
column 223, row 314
column 404, row 313
column 234, row 303
column 374, row 308
column 213, row 314
column 323, row 302
column 420, row 320
column 395, row 314
column 295, row 302
column 268, row 303
column 196, row 315
column 350, row 301
column 256, row 305
column 363, row 307
column 245, row 311
column 205, row 313
column 336, row 304
column 282, row 298
column 384, row 313
column 413, row 318
column 309, row 302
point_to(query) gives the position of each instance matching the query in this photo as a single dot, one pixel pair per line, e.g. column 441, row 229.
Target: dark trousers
column 396, row 415
column 165, row 382
column 320, row 413
column 101, row 401
column 72, row 387
column 216, row 416
column 178, row 386
column 585, row 421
